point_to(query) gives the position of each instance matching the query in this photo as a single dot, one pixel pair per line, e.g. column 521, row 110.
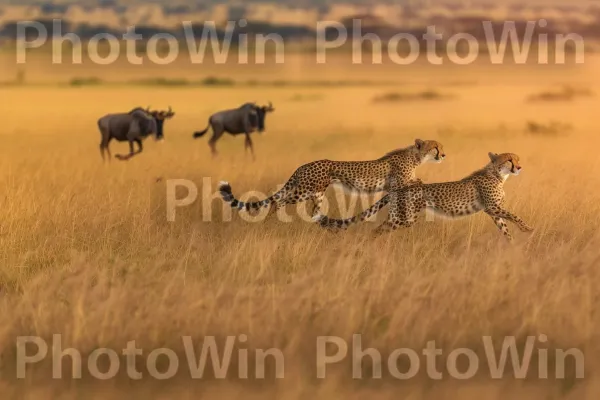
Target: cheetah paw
column 526, row 228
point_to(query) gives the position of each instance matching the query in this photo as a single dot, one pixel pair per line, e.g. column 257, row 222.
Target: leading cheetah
column 310, row 181
column 481, row 191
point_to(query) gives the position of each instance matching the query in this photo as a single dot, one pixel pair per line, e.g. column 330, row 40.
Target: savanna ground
column 87, row 251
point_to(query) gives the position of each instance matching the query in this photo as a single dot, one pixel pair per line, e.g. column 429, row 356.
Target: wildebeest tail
column 327, row 222
column 227, row 195
column 200, row 133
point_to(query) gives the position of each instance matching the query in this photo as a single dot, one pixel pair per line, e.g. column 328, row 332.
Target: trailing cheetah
column 310, row 181
column 480, row 191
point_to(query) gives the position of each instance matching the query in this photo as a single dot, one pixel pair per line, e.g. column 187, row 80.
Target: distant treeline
column 87, row 31
column 472, row 26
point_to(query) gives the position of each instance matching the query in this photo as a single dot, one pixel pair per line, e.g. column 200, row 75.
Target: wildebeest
column 245, row 119
column 132, row 126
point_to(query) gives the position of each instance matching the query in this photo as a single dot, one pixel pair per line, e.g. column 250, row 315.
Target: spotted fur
column 481, row 191
column 310, row 181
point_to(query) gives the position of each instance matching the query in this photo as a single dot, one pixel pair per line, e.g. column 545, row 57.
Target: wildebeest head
column 258, row 119
column 159, row 118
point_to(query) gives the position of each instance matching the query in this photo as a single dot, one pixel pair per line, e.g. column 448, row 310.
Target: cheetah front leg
column 501, row 224
column 501, row 213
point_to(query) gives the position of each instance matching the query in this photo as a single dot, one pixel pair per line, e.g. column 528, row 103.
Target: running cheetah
column 310, row 181
column 480, row 191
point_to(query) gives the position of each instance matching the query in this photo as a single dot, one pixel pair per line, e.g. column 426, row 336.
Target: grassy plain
column 86, row 249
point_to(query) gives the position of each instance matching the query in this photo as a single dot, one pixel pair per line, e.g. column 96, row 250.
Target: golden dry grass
column 87, row 250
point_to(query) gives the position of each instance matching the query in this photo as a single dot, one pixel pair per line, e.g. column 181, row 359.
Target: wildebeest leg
column 248, row 144
column 139, row 143
column 217, row 133
column 102, row 147
column 104, row 144
column 131, row 152
column 108, row 149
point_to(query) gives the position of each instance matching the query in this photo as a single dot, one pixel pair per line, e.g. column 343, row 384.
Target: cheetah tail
column 331, row 223
column 227, row 195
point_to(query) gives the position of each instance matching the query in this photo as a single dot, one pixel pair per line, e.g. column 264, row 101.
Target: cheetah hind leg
column 391, row 224
column 275, row 205
column 317, row 200
column 386, row 227
column 282, row 199
column 404, row 217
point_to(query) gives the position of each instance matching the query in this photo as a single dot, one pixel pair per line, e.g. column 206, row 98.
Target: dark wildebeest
column 133, row 126
column 245, row 119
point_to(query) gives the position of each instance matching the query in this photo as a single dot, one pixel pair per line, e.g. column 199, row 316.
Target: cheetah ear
column 493, row 156
column 419, row 143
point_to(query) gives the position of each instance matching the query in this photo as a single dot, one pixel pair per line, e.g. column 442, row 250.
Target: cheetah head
column 430, row 151
column 506, row 163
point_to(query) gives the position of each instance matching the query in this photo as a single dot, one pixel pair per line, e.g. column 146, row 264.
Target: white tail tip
column 317, row 218
column 223, row 183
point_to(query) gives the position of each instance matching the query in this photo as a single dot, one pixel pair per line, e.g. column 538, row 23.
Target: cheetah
column 309, row 181
column 481, row 191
